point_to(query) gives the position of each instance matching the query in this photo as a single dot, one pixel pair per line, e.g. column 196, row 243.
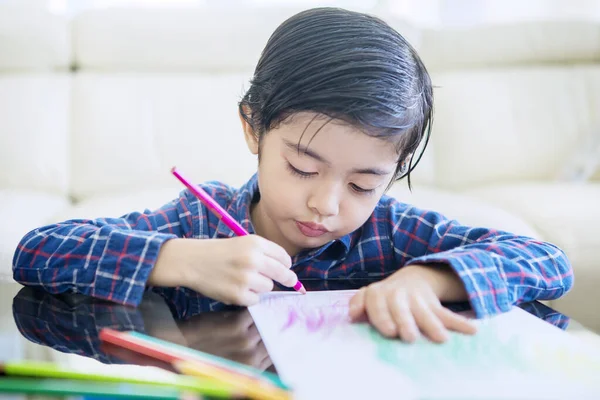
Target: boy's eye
column 361, row 190
column 300, row 173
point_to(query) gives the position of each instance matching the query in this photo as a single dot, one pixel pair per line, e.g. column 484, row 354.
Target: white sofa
column 94, row 110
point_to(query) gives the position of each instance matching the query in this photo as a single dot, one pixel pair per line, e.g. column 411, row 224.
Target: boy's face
column 327, row 190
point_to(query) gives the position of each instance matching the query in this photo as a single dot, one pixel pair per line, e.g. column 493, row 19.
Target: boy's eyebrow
column 305, row 150
column 370, row 171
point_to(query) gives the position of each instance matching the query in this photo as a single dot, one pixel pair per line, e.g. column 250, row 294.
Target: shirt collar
column 239, row 209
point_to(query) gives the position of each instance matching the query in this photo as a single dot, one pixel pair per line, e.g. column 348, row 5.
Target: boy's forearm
column 446, row 284
column 170, row 264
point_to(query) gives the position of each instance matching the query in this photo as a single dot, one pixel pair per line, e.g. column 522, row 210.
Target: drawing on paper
column 512, row 347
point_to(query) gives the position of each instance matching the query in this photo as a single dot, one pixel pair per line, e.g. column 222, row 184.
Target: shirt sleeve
column 498, row 269
column 107, row 258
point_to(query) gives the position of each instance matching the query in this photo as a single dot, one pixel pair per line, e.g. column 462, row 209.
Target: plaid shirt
column 111, row 258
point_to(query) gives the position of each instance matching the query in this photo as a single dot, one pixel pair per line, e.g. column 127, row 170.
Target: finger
column 403, row 318
column 456, row 322
column 245, row 298
column 275, row 251
column 379, row 313
column 429, row 322
column 274, row 270
column 259, row 283
column 357, row 305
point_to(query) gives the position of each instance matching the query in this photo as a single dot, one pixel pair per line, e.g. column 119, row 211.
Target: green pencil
column 168, row 380
column 66, row 387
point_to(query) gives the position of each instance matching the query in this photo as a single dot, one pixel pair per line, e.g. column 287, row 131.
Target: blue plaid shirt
column 111, row 258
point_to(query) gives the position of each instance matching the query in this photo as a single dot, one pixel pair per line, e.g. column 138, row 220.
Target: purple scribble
column 292, row 318
column 317, row 320
column 315, row 324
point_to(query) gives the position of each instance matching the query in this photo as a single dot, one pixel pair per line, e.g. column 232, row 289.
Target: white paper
column 322, row 355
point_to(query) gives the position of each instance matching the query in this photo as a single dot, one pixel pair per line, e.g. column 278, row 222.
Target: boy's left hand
column 406, row 302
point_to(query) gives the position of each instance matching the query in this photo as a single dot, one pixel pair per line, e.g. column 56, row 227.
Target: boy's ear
column 251, row 138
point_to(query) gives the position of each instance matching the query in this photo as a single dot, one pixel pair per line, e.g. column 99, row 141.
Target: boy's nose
column 325, row 200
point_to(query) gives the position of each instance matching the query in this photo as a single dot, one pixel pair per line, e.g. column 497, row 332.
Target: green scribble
column 424, row 359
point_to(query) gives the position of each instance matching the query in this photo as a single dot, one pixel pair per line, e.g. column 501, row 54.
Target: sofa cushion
column 174, row 39
column 513, row 43
column 130, row 129
column 511, row 125
column 34, row 144
column 467, row 210
column 20, row 212
column 34, row 39
column 117, row 205
column 567, row 215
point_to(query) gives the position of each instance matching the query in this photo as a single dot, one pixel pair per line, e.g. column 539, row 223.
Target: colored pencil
column 39, row 369
column 248, row 387
column 67, row 387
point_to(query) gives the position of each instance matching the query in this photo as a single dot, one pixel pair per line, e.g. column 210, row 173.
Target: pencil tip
column 299, row 287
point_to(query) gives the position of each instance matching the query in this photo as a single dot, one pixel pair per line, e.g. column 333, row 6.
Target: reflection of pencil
column 245, row 386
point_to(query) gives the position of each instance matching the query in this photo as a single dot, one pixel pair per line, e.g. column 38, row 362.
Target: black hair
column 347, row 66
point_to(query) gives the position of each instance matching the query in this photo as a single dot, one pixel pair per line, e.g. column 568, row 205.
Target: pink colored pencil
column 220, row 212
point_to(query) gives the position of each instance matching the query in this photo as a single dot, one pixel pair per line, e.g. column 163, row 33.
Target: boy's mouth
column 311, row 229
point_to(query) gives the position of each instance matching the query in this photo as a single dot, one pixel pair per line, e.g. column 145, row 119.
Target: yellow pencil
column 245, row 386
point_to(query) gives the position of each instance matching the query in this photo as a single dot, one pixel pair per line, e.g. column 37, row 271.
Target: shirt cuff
column 126, row 264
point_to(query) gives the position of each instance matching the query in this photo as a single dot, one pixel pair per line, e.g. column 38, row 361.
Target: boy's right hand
column 233, row 270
